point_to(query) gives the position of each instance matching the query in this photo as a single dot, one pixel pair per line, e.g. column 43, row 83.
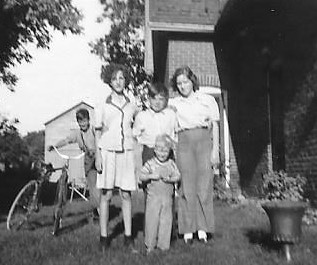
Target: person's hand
column 166, row 179
column 50, row 148
column 172, row 108
column 98, row 161
column 164, row 174
column 209, row 123
column 155, row 176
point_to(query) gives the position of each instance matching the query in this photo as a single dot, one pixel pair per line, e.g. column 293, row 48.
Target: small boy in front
column 161, row 172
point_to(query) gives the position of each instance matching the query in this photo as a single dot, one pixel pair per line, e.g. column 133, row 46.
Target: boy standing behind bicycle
column 85, row 138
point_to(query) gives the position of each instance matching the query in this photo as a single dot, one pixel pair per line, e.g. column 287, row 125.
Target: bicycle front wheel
column 22, row 206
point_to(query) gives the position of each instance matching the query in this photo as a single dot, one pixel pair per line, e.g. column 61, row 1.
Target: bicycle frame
column 61, row 192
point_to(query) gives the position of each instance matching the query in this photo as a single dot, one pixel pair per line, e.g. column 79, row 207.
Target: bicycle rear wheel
column 23, row 206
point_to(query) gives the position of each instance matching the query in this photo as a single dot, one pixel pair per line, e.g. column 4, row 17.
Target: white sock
column 188, row 236
column 202, row 234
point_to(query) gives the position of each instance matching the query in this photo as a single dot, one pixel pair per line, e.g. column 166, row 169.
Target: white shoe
column 202, row 235
column 188, row 238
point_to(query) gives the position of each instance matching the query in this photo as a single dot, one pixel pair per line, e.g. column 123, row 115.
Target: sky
column 58, row 78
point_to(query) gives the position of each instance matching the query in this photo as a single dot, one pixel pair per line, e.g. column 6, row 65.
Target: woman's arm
column 215, row 143
column 98, row 157
column 98, row 133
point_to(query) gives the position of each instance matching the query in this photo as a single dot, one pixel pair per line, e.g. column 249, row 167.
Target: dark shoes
column 104, row 243
column 128, row 242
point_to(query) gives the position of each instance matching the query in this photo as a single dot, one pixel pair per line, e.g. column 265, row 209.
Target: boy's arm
column 68, row 140
column 137, row 126
column 147, row 173
column 175, row 175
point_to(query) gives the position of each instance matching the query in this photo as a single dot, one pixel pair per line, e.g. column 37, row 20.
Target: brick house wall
column 300, row 125
column 198, row 55
column 267, row 63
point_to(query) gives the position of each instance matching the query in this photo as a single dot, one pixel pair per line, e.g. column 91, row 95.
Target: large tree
column 124, row 43
column 29, row 21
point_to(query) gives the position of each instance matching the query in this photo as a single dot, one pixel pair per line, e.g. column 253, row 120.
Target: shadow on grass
column 262, row 238
column 137, row 226
column 114, row 212
column 74, row 226
column 40, row 222
column 137, row 223
column 3, row 218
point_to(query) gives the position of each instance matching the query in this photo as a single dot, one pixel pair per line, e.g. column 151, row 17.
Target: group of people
column 176, row 139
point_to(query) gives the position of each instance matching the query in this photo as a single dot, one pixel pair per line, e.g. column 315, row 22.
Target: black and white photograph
column 158, row 132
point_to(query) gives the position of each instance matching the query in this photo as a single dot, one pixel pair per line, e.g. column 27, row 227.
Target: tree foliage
column 13, row 150
column 35, row 142
column 7, row 126
column 17, row 151
column 124, row 44
column 28, row 21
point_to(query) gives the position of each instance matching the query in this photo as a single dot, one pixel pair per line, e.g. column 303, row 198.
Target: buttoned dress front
column 195, row 114
column 116, row 144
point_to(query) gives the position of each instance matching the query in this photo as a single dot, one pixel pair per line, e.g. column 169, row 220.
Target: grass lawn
column 242, row 237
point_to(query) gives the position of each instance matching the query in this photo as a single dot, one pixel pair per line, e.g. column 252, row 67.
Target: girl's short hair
column 82, row 114
column 158, row 88
column 184, row 70
column 109, row 70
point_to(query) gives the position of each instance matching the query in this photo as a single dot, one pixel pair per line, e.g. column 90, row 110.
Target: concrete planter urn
column 286, row 222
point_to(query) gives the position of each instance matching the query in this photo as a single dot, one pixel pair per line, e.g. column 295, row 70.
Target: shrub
column 277, row 185
column 221, row 191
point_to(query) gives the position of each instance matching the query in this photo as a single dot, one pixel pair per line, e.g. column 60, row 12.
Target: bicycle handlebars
column 68, row 157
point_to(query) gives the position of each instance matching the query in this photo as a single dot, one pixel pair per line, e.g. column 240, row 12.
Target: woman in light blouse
column 196, row 112
column 114, row 154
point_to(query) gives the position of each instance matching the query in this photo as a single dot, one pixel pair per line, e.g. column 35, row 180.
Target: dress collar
column 109, row 100
column 193, row 96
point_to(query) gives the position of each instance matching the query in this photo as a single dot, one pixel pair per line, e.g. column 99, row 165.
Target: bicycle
column 61, row 191
column 26, row 202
